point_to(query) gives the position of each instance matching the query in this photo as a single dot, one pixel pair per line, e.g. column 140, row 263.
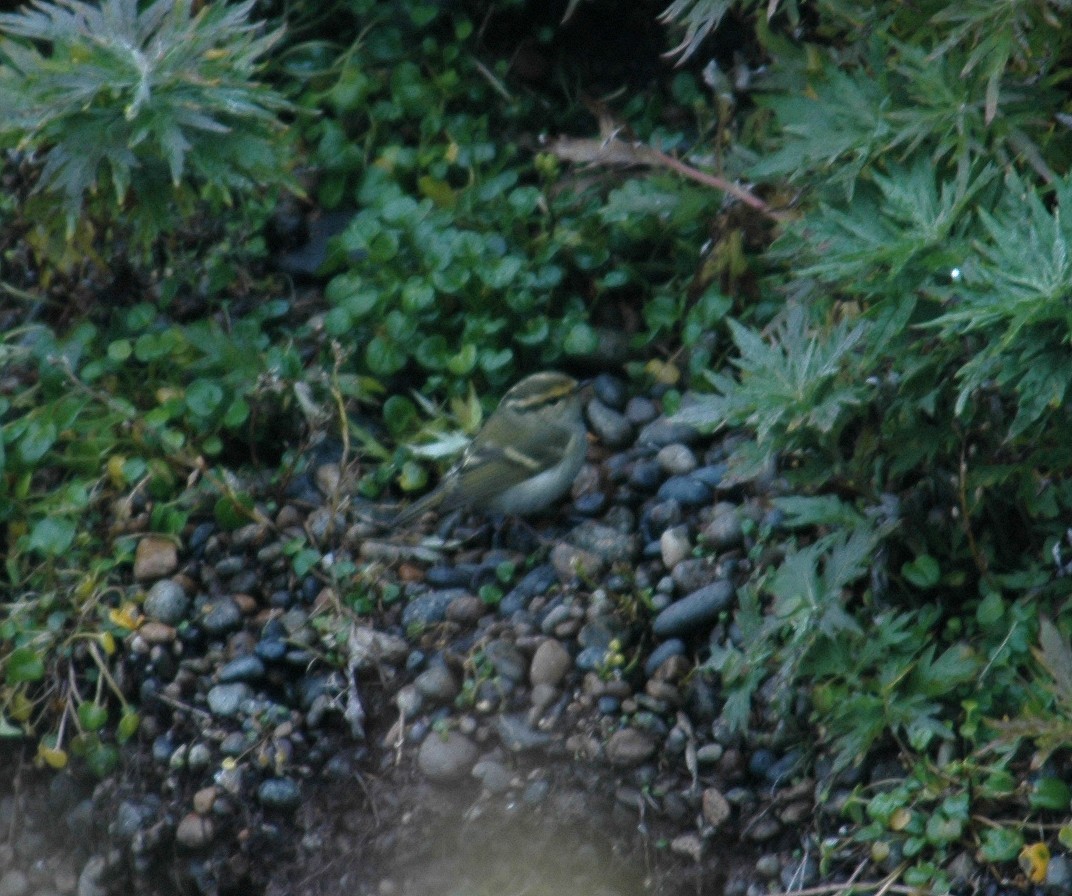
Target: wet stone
column 723, row 532
column 271, row 650
column 446, row 757
column 716, row 809
column 691, row 575
column 437, row 684
column 590, row 504
column 570, row 561
column 459, row 576
column 712, row 474
column 688, row 491
column 167, row 602
column 640, row 410
column 612, row 428
column 466, row 609
column 676, row 459
column 517, row 735
column 662, row 432
column 226, row 699
column 194, row 831
column 611, row 391
column 282, row 794
column 506, row 660
column 430, row 608
column 537, row 581
column 221, row 616
column 154, row 558
column 629, row 747
column 695, row 613
column 243, row 668
column 605, row 542
column 550, row 663
column 659, row 517
column 674, row 546
column 646, row 475
column 663, row 652
column 493, row 775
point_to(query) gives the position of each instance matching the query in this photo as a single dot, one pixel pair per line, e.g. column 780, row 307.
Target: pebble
column 226, row 699
column 629, row 747
column 283, row 794
column 517, row 735
column 436, row 684
column 446, row 757
column 466, row 609
column 550, row 663
column 723, row 532
column 156, row 633
column 716, row 809
column 612, row 428
column 590, row 504
column 646, row 475
column 662, row 431
column 605, row 542
column 536, row 582
column 89, row 880
column 688, row 491
column 507, row 660
column 167, row 602
column 493, row 775
column 243, row 668
column 570, row 562
column 693, row 614
column 430, row 608
column 154, row 558
column 670, row 648
column 14, row 882
column 688, row 845
column 640, row 410
column 194, row 831
column 611, row 391
column 222, row 616
column 691, row 575
column 676, row 459
column 674, row 546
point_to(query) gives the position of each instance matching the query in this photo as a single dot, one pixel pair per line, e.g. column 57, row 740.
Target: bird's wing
column 487, row 470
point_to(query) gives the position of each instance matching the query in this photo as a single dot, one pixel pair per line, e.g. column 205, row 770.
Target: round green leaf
column 203, row 397
column 1001, row 844
column 128, row 726
column 337, row 322
column 23, row 665
column 36, row 439
column 1050, row 793
column 464, row 361
column 581, row 339
column 923, row 572
column 400, row 414
column 383, row 357
column 92, row 716
column 52, row 536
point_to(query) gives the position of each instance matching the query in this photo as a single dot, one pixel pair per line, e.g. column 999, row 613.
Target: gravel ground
column 515, row 709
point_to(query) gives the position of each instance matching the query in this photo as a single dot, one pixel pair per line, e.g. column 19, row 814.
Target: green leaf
column 464, row 361
column 203, row 397
column 52, row 536
column 923, row 572
column 1050, row 793
column 128, row 726
column 1001, row 844
column 23, row 665
column 36, row 439
column 92, row 716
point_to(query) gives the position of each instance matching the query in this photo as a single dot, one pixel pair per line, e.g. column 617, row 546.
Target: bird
column 525, row 456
